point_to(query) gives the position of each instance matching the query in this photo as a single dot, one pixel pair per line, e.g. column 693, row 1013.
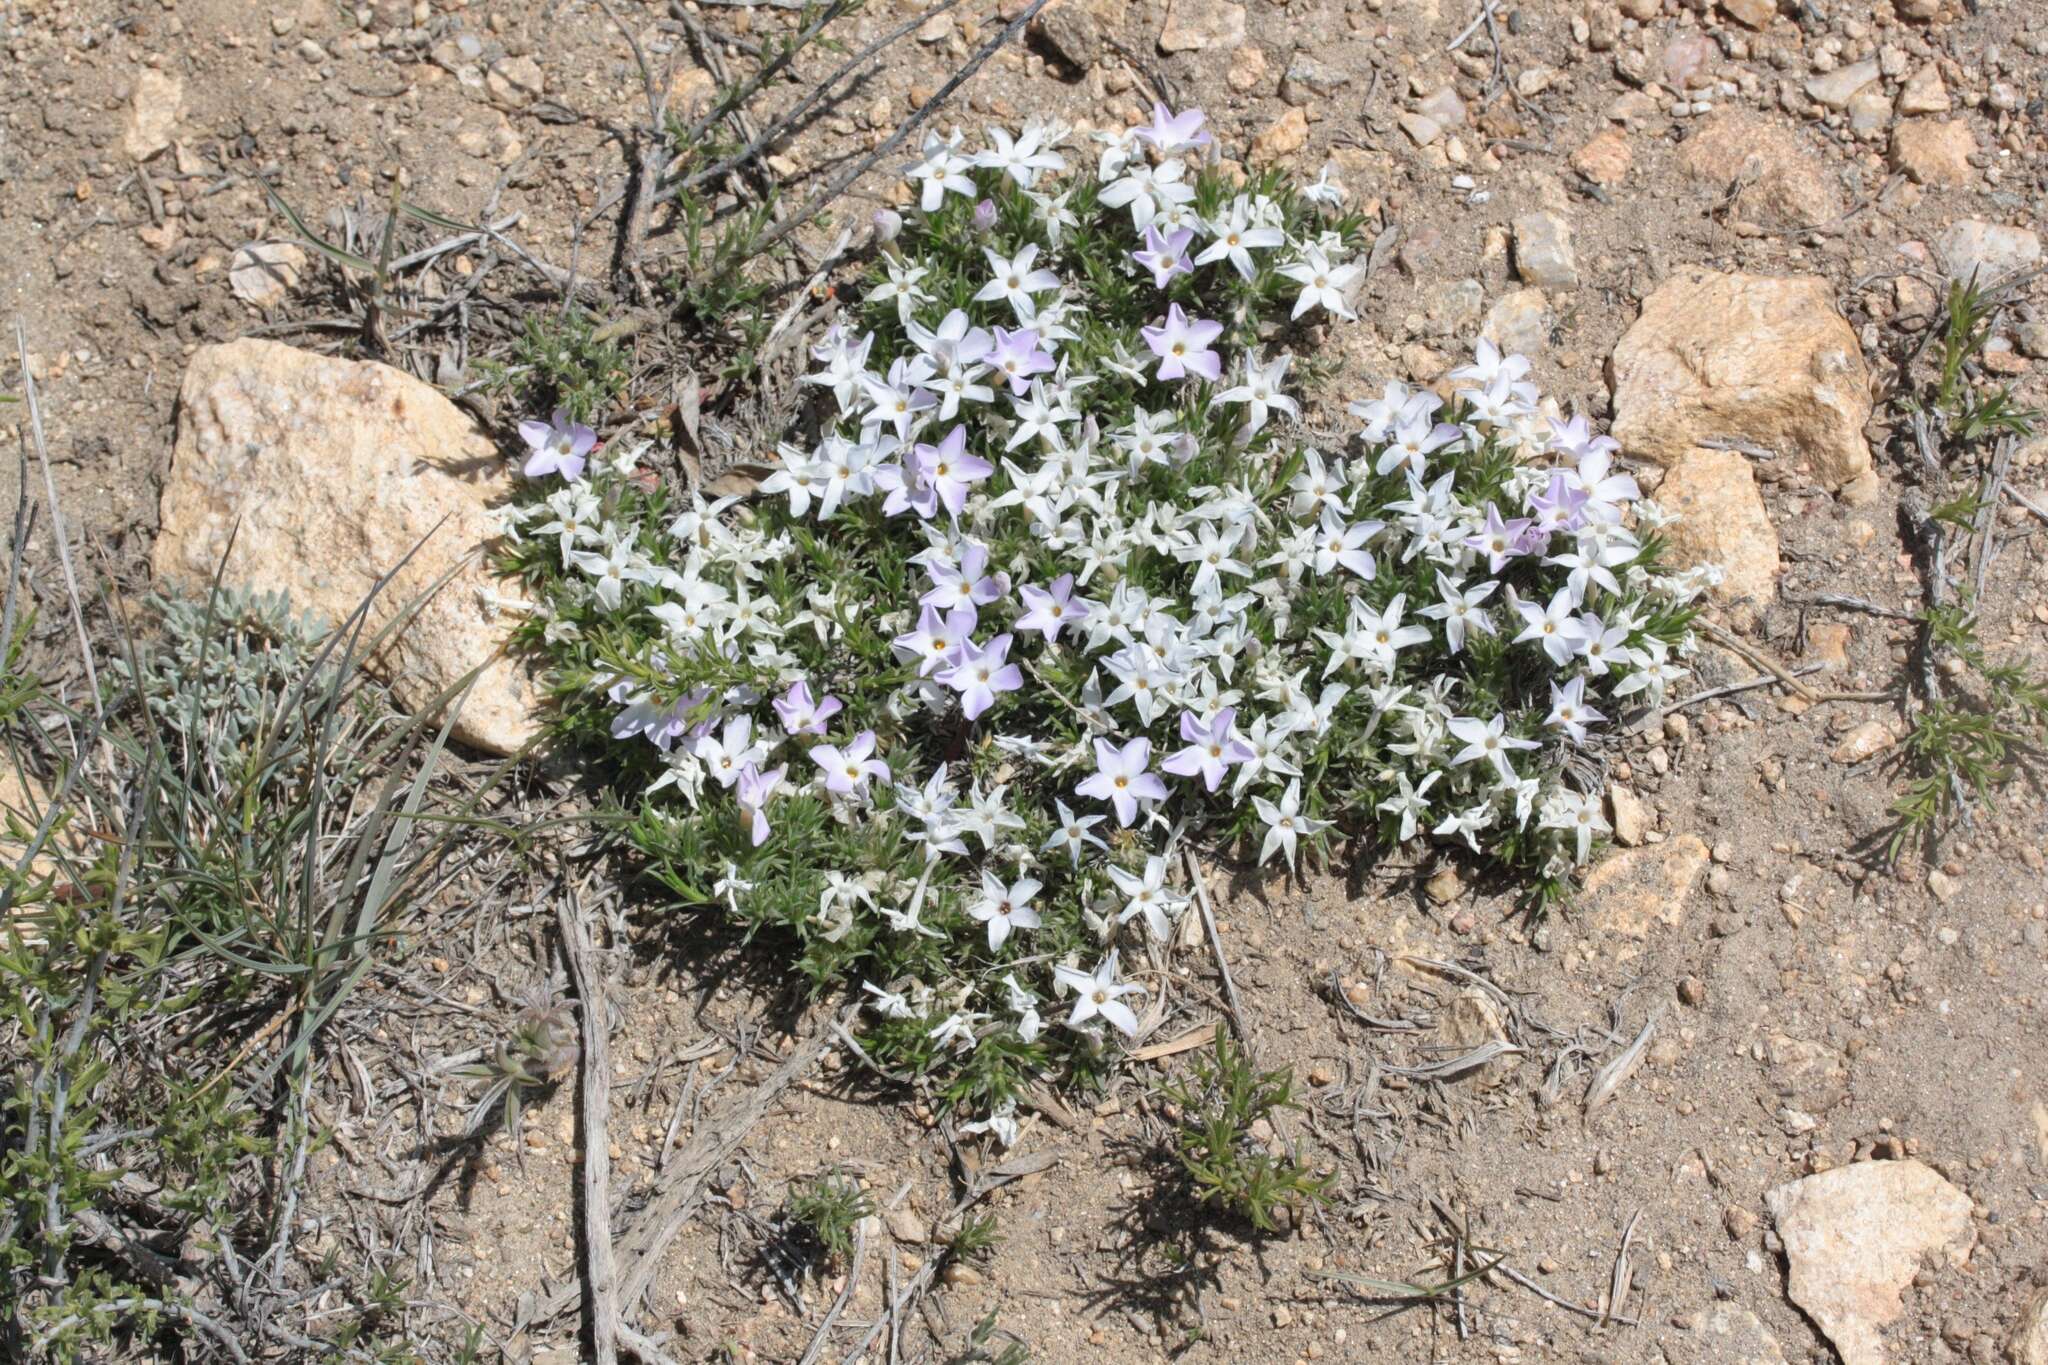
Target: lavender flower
column 556, row 446
column 1182, row 345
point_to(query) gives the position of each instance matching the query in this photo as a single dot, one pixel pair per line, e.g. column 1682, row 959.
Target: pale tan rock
column 152, row 112
column 1755, row 14
column 328, row 472
column 1734, row 1336
column 1722, row 521
column 515, row 82
column 1605, row 159
column 1854, row 1238
column 1987, row 252
column 1934, row 153
column 1866, row 741
column 1758, row 358
column 1779, row 181
column 1631, row 891
column 1629, row 816
column 1469, row 1022
column 1285, row 136
column 1925, row 92
column 1543, row 251
column 1834, row 89
column 1247, row 69
column 1519, row 323
column 263, row 273
column 2028, row 1344
column 1202, row 25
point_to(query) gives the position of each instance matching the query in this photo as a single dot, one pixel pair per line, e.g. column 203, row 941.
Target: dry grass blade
column 600, row 1272
column 1609, row 1079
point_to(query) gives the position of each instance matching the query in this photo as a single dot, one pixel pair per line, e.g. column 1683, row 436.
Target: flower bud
column 985, row 216
column 888, row 225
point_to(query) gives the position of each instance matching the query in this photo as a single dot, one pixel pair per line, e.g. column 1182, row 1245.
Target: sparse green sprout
column 563, row 361
column 1963, row 748
column 1224, row 1138
column 1979, row 720
column 976, row 1240
column 830, row 1206
column 540, row 1050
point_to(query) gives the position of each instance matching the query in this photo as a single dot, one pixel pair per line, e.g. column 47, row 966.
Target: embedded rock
column 1543, row 251
column 1285, row 136
column 152, row 112
column 1932, row 153
column 1988, row 252
column 1202, row 25
column 1519, row 323
column 2029, row 1341
column 1722, row 521
column 1629, row 892
column 1854, row 1238
column 326, row 474
column 1759, row 359
column 1777, row 180
column 1604, row 159
column 1836, row 88
column 1925, row 92
column 262, row 273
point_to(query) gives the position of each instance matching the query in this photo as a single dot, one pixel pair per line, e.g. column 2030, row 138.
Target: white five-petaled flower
column 1579, row 815
column 1487, row 741
column 1100, row 995
column 1147, row 896
column 1285, row 823
column 1005, row 908
column 1014, row 281
column 1260, row 391
column 1322, row 284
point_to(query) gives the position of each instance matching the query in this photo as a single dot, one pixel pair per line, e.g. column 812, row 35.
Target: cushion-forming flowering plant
column 1055, row 578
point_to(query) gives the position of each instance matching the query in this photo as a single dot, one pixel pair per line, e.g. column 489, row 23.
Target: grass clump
column 829, row 1207
column 1224, row 1140
column 207, row 856
column 1979, row 720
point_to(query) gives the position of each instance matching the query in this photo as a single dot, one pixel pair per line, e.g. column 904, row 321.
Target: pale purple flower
column 800, row 714
column 1211, row 750
column 950, row 470
column 936, row 642
column 1182, row 345
column 1498, row 540
column 982, row 674
column 1165, row 255
column 1052, row 608
column 755, row 787
column 556, row 446
column 1123, row 779
column 1171, row 132
column 967, row 584
column 1560, row 506
column 848, row 769
column 1019, row 355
